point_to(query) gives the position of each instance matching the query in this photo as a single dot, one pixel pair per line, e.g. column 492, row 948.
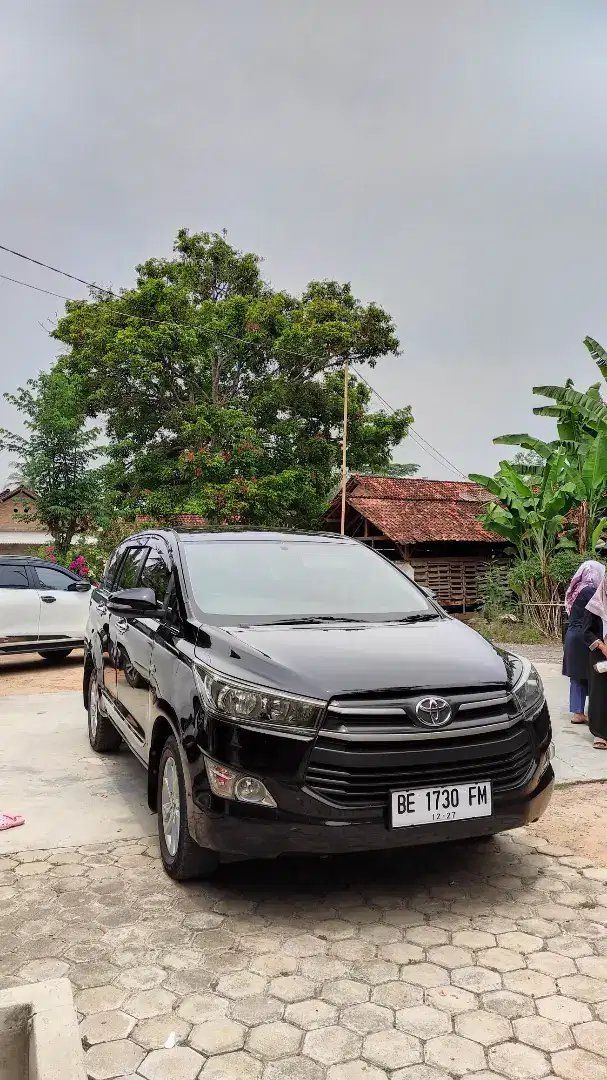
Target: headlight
column 247, row 703
column 528, row 688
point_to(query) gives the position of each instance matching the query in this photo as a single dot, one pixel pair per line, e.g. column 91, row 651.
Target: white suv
column 43, row 607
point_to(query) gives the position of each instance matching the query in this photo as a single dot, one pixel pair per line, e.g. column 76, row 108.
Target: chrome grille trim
column 391, row 715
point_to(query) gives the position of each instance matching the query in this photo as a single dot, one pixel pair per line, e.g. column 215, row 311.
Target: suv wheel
column 55, row 655
column 182, row 858
column 103, row 736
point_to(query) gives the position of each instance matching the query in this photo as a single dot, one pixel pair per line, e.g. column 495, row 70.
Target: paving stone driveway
column 484, row 959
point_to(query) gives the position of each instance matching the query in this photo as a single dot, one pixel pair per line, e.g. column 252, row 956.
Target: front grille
column 365, row 777
column 393, row 713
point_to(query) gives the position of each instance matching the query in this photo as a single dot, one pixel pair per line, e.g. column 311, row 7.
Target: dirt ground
column 577, row 819
column 30, row 674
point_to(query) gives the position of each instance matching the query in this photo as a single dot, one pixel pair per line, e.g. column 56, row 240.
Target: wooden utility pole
column 344, row 451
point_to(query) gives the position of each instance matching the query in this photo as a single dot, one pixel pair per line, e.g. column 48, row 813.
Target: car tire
column 131, row 675
column 54, row 656
column 182, row 857
column 103, row 737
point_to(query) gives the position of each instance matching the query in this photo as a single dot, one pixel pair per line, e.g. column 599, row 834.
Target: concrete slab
column 39, row 1037
column 575, row 757
column 68, row 795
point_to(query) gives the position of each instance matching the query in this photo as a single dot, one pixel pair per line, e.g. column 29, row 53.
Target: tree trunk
column 583, row 527
column 215, row 377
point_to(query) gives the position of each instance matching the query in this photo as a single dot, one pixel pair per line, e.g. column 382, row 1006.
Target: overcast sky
column 449, row 158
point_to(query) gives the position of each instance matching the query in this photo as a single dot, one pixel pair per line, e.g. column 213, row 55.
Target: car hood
column 328, row 660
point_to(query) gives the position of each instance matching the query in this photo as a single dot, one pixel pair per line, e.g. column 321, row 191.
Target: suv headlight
column 257, row 706
column 528, row 688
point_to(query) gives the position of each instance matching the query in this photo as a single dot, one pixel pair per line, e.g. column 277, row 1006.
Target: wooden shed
column 429, row 527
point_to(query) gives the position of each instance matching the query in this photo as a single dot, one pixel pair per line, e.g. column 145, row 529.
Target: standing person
column 595, row 634
column 576, row 661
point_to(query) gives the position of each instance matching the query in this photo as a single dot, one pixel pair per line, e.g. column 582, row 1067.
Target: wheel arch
column 165, row 725
column 89, row 667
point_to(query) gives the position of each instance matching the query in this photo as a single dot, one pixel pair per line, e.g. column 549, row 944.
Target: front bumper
column 236, row 829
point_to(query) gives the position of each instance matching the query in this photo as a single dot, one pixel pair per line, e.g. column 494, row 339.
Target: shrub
column 495, row 593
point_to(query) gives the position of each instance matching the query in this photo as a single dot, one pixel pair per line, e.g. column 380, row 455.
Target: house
column 429, row 527
column 20, row 533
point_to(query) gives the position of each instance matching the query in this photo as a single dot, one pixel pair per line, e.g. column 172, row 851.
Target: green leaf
column 597, row 532
column 598, row 354
column 527, row 442
column 592, row 409
column 521, row 488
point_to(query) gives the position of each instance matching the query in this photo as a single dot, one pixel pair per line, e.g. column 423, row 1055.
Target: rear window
column 13, row 577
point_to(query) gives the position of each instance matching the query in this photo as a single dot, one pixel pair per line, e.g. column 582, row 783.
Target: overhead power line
column 429, row 449
column 37, row 288
column 424, row 444
column 64, row 273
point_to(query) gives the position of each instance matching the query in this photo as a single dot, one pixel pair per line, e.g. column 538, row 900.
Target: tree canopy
column 224, row 397
column 56, row 457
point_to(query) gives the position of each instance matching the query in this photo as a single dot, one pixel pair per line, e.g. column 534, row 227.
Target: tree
column 55, row 458
column 395, row 468
column 578, row 414
column 531, row 517
column 224, row 397
column 582, row 442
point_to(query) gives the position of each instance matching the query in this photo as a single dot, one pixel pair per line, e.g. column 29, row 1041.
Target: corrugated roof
column 412, row 511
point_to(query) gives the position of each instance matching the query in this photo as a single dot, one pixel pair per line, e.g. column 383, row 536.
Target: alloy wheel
column 170, row 806
column 94, row 708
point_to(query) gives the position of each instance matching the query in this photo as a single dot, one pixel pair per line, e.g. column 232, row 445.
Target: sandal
column 579, row 718
column 10, row 821
column 600, row 744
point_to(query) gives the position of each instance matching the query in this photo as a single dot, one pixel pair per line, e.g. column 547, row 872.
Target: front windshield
column 273, row 581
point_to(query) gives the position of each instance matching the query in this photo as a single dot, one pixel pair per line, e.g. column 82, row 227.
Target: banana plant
column 578, row 414
column 530, row 517
column 583, row 465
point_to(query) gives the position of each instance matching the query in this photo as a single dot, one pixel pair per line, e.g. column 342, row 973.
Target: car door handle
column 49, row 599
column 122, row 625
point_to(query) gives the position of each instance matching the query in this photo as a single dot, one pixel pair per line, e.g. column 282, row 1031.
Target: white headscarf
column 598, row 605
column 589, row 573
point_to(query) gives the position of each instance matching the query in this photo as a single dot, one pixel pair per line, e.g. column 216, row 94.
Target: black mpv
column 294, row 692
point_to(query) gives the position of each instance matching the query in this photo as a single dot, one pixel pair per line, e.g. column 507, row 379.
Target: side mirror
column 133, row 602
column 428, row 592
column 79, row 586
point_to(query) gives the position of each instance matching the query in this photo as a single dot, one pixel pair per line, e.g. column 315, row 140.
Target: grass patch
column 513, row 633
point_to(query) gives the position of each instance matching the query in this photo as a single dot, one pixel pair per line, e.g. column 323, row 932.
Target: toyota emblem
column 433, row 712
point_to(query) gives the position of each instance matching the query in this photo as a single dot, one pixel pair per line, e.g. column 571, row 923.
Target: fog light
column 229, row 784
column 221, row 780
column 250, row 790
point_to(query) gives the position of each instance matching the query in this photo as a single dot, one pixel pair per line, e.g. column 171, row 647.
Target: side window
column 111, row 568
column 155, row 574
column 172, row 615
column 129, row 571
column 13, row 577
column 52, row 579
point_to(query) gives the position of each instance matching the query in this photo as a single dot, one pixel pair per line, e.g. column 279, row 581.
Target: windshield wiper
column 311, row 620
column 419, row 616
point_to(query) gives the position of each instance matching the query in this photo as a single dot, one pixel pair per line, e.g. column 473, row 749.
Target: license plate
column 428, row 806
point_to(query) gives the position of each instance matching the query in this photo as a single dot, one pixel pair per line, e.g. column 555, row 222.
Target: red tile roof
column 413, row 511
column 195, row 521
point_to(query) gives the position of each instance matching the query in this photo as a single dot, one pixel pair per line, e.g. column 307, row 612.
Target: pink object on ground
column 10, row 821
